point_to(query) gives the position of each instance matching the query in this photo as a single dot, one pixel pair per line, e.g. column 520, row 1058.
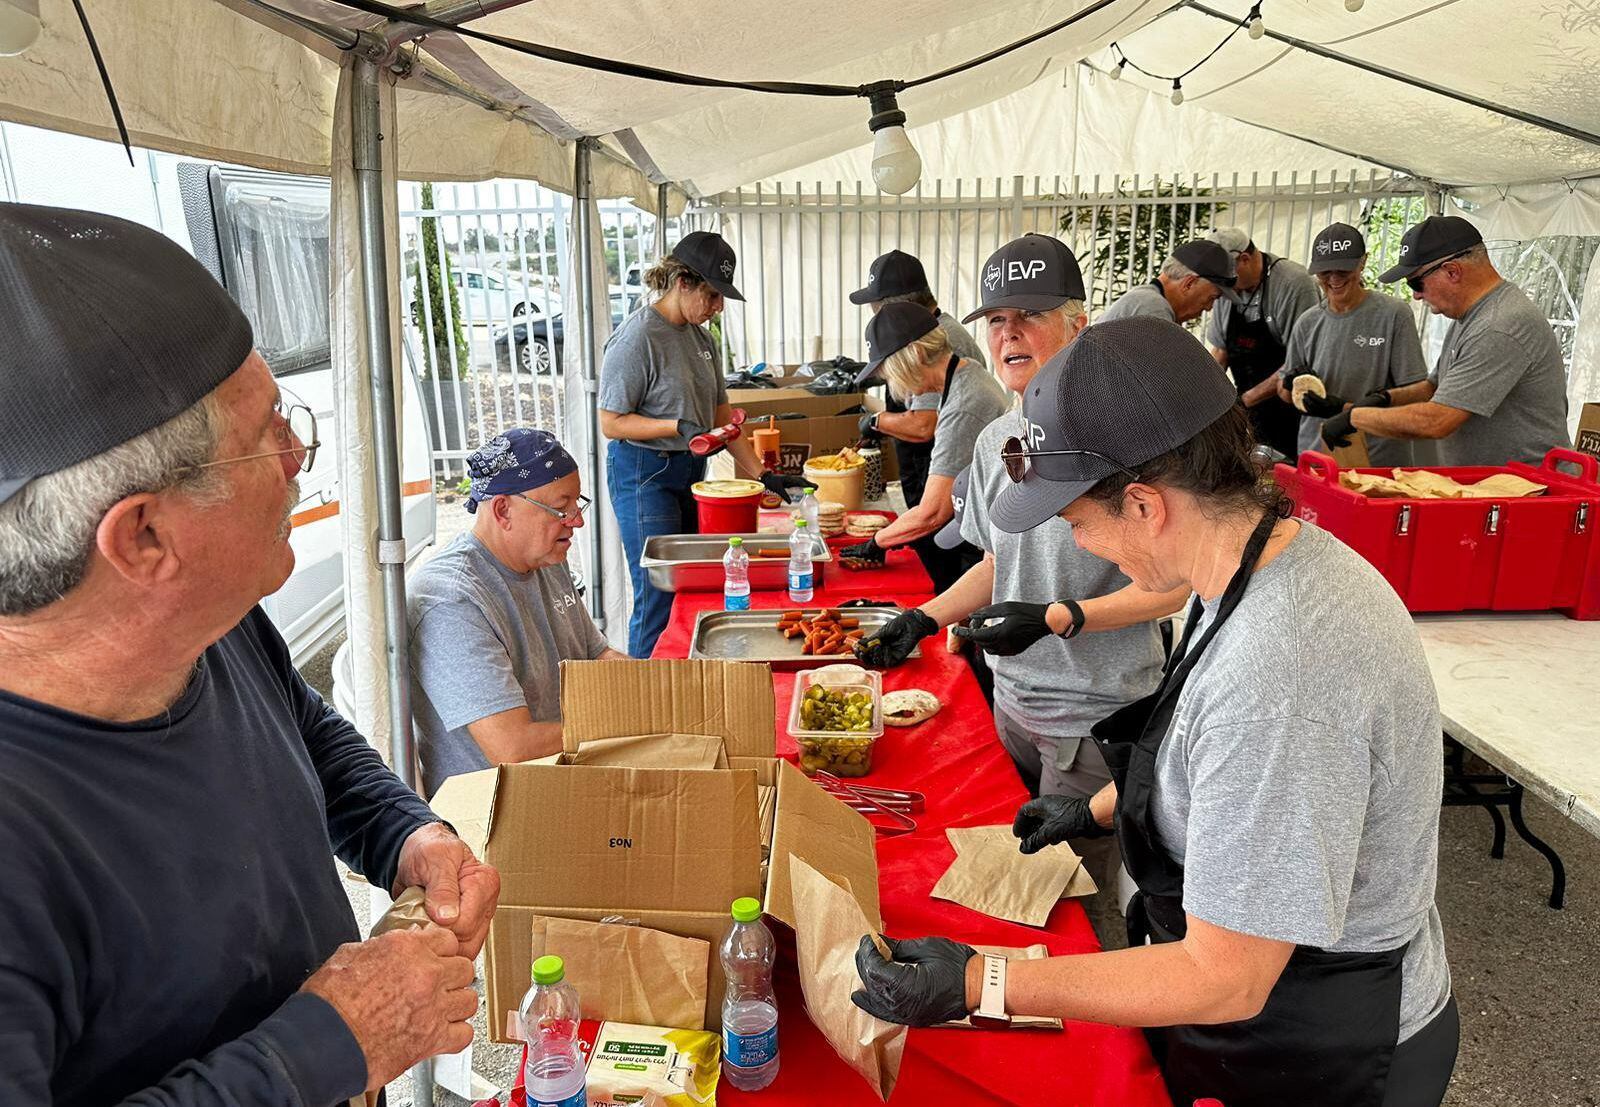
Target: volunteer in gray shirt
column 1250, row 337
column 1073, row 640
column 494, row 613
column 1363, row 347
column 1500, row 386
column 1278, row 810
column 660, row 386
column 1189, row 283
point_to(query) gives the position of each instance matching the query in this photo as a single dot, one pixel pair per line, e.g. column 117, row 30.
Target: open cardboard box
column 823, row 429
column 665, row 848
column 1587, row 440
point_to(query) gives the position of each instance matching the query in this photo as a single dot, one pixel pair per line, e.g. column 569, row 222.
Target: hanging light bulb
column 1256, row 27
column 896, row 166
column 1177, row 92
column 19, row 26
column 1354, row 5
column 1116, row 72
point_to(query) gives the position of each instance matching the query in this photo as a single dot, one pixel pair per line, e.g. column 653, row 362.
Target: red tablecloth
column 969, row 781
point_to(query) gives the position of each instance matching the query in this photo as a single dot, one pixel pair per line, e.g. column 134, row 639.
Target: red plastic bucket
column 728, row 506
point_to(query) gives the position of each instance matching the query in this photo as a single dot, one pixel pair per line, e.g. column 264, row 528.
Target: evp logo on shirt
column 1363, row 340
column 564, row 602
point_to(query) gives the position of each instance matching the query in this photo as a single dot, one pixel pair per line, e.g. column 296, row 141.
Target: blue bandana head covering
column 519, row 460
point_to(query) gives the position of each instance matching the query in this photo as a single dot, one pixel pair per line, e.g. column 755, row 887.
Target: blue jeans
column 650, row 495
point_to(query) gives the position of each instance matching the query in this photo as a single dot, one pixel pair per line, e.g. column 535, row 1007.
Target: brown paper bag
column 1081, row 884
column 630, row 973
column 1035, row 952
column 992, row 878
column 829, row 928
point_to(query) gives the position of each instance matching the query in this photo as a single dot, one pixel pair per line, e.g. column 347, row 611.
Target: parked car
column 536, row 341
column 490, row 296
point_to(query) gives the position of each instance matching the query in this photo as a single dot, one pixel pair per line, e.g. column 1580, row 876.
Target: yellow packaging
column 633, row 1064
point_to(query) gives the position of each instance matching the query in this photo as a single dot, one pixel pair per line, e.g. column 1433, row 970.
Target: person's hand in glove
column 1020, row 626
column 924, row 985
column 867, row 429
column 1337, row 429
column 899, row 636
column 866, row 551
column 688, row 428
column 779, row 484
column 1050, row 819
column 1323, row 407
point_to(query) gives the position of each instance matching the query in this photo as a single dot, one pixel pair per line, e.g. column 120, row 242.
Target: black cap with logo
column 1209, row 262
column 895, row 327
column 893, row 274
column 1125, row 391
column 1339, row 248
column 1034, row 273
column 709, row 255
column 1434, row 239
column 948, row 536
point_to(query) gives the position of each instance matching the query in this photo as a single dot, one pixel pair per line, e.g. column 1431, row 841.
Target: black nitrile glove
column 1323, row 407
column 1050, row 819
column 1021, row 625
column 866, row 551
column 1336, row 430
column 867, row 427
column 924, row 985
column 899, row 636
column 779, row 484
column 1378, row 397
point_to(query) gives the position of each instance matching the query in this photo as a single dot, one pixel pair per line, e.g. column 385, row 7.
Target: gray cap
column 1235, row 240
column 1034, row 273
column 1125, row 390
column 111, row 330
column 1338, row 248
column 948, row 536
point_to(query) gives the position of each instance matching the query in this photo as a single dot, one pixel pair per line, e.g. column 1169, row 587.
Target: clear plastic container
column 844, row 753
column 553, row 1068
column 750, row 1007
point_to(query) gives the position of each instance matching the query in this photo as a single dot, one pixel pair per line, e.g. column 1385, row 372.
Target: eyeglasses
column 568, row 517
column 295, row 428
column 1417, row 280
column 1019, row 459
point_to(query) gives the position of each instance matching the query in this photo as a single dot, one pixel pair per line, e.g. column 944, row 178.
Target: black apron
column 1254, row 354
column 944, row 567
column 1328, row 1031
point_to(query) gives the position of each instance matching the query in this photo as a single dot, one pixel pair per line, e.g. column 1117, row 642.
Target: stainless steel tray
column 754, row 636
column 693, row 562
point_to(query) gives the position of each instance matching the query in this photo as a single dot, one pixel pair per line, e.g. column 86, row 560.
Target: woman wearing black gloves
column 1283, row 833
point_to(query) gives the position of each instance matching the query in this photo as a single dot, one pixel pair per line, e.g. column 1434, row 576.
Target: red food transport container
column 1536, row 553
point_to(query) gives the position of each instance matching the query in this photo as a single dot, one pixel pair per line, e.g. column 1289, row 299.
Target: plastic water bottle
column 749, row 1009
column 553, row 1072
column 809, row 509
column 801, row 586
column 736, row 576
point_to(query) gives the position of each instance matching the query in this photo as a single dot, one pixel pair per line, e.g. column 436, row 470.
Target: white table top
column 1522, row 691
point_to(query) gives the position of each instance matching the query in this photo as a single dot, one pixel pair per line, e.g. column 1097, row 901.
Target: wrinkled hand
column 1322, row 407
column 1051, row 819
column 405, row 996
column 1020, row 626
column 1336, row 430
column 688, row 428
column 779, row 484
column 866, row 551
column 460, row 892
column 924, row 985
column 899, row 636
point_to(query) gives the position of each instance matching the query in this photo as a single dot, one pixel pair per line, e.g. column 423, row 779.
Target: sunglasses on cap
column 1018, row 459
column 1416, row 280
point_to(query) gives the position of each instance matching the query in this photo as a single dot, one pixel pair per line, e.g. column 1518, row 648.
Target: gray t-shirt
column 1141, row 299
column 484, row 640
column 961, row 341
column 1054, row 688
column 655, row 369
column 1375, row 346
column 975, row 399
column 1299, row 781
column 1502, row 363
column 1291, row 292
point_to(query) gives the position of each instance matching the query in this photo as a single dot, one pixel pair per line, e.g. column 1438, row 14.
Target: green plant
column 1386, row 223
column 1117, row 238
column 446, row 325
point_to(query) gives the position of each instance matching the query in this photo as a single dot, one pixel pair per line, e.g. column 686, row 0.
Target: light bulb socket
column 1354, row 5
column 885, row 108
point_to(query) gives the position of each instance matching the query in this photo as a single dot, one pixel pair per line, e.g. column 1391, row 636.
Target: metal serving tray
column 693, row 562
column 754, row 636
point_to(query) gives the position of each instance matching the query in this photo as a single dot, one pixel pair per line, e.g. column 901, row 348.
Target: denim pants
column 650, row 495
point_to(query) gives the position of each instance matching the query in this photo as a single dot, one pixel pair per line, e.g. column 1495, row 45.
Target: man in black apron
column 1282, row 832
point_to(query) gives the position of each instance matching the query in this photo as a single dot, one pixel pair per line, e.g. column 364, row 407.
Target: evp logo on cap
column 1025, row 270
column 1033, row 434
column 727, row 269
column 991, row 279
column 959, row 503
column 1405, row 248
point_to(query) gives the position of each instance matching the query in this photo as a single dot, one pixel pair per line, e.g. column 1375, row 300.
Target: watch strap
column 1076, row 612
column 991, row 1010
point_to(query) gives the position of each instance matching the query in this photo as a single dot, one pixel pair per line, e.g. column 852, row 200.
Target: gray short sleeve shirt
column 1290, row 293
column 961, row 341
column 653, row 368
column 485, row 640
column 1141, row 299
column 1501, row 362
column 975, row 399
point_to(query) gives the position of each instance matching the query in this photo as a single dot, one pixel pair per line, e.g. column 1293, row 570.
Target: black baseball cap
column 1434, row 239
column 111, row 329
column 710, row 256
column 893, row 274
column 1338, row 248
column 1035, row 273
column 895, row 327
column 1210, row 262
column 948, row 536
column 1126, row 390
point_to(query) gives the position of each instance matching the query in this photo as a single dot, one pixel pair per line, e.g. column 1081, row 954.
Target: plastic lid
column 736, row 541
column 549, row 970
column 746, row 910
column 810, row 491
column 799, row 522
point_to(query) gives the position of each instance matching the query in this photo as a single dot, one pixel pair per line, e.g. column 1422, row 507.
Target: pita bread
column 1306, row 382
column 909, row 707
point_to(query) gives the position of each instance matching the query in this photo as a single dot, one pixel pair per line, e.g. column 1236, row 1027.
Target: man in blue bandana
column 495, row 613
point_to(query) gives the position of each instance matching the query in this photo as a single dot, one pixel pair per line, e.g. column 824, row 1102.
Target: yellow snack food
column 676, row 1068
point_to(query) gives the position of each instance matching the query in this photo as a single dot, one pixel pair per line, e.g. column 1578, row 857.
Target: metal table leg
column 1461, row 789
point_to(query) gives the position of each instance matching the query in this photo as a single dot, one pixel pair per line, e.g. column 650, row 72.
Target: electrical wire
column 1123, row 59
column 105, row 80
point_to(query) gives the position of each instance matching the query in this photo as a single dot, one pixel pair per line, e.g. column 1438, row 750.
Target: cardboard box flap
column 648, row 751
column 611, row 699
column 625, row 839
column 828, row 836
column 467, row 803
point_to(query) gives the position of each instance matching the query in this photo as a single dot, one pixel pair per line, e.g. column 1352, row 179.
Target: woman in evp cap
column 1283, row 833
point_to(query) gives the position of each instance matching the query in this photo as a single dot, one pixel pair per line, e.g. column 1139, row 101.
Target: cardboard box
column 666, row 848
column 820, row 426
column 1587, row 439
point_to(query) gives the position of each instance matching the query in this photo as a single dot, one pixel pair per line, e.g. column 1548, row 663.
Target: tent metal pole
column 446, row 11
column 661, row 221
column 583, row 202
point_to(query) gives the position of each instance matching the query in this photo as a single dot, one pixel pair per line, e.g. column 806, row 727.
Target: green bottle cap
column 736, row 541
column 549, row 970
column 746, row 910
column 810, row 490
column 799, row 522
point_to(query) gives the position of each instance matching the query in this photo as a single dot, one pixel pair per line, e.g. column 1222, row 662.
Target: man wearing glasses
column 1500, row 382
column 495, row 613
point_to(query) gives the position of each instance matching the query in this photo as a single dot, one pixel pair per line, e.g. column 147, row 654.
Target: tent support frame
column 582, row 205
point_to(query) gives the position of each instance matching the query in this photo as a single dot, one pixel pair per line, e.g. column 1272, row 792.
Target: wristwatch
column 1077, row 618
column 991, row 1012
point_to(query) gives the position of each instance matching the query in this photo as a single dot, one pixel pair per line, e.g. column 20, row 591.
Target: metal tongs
column 889, row 803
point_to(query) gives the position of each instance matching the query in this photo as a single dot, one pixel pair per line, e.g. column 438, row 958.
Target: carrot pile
column 826, row 632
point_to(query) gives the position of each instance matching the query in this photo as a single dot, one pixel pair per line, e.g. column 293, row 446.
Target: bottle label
column 580, row 1098
column 735, row 603
column 799, row 582
column 750, row 1051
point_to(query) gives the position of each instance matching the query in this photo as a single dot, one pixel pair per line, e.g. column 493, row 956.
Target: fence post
column 1016, row 207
